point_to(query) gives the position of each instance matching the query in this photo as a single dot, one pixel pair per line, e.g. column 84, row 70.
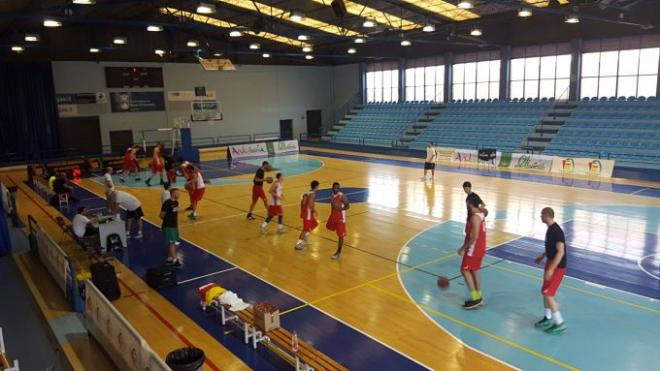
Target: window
column 620, row 73
column 476, row 80
column 382, row 83
column 425, row 83
column 540, row 77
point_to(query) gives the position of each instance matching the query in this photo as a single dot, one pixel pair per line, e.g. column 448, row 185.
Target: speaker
column 200, row 91
column 339, row 8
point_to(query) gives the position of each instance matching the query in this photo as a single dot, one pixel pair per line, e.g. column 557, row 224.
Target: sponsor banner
column 286, row 146
column 248, row 150
column 81, row 98
column 67, row 110
column 528, row 161
column 188, row 96
column 464, row 156
column 205, row 110
column 137, row 101
column 583, row 166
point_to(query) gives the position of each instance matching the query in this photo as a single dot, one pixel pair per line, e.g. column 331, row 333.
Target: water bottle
column 294, row 342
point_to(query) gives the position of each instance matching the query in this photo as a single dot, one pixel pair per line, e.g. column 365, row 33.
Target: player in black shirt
column 258, row 187
column 467, row 188
column 555, row 266
column 169, row 213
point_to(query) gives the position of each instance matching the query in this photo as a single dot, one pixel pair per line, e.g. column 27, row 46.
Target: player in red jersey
column 157, row 164
column 307, row 214
column 473, row 251
column 337, row 220
column 258, row 187
column 188, row 172
column 197, row 189
column 130, row 164
column 555, row 252
column 276, row 196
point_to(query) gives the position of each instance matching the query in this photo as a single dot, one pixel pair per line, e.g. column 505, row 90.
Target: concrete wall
column 253, row 98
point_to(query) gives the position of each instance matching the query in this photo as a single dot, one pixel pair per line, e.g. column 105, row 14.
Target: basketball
column 269, row 179
column 443, row 282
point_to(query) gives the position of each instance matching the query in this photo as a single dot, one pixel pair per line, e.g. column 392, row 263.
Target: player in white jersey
column 275, row 198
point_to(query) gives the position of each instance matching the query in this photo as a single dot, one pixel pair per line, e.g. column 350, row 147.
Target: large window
column 425, row 80
column 620, row 73
column 382, row 82
column 540, row 77
column 476, row 80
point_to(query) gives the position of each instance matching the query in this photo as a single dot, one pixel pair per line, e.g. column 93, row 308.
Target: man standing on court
column 337, row 219
column 555, row 252
column 258, row 188
column 276, row 193
column 157, row 164
column 307, row 214
column 133, row 207
column 467, row 188
column 473, row 252
column 107, row 177
column 197, row 188
column 429, row 163
column 169, row 213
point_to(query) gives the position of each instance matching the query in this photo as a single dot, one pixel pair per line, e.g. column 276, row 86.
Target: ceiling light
column 307, row 49
column 405, row 43
column 235, row 33
column 160, row 52
column 17, row 49
column 368, row 23
column 303, row 37
column 192, row 43
column 465, row 4
column 360, row 40
column 204, row 8
column 524, row 12
column 309, row 57
column 84, row 2
column 154, row 28
column 266, row 55
column 572, row 18
column 52, row 23
column 94, row 50
column 296, row 16
column 119, row 41
column 217, row 54
column 31, row 37
column 351, row 51
column 429, row 28
column 476, row 31
column 255, row 46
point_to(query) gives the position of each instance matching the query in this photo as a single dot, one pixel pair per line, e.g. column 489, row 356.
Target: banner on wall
column 205, row 110
column 248, row 150
column 465, row 156
column 583, row 166
column 137, row 101
column 286, row 146
column 528, row 161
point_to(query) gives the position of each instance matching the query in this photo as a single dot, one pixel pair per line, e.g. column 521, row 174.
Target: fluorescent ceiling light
column 31, row 37
column 309, row 57
column 368, row 23
column 465, row 4
column 476, row 32
column 266, row 55
column 52, row 23
column 235, row 33
column 84, row 2
column 94, row 50
column 445, row 8
column 524, row 12
column 360, row 40
column 154, row 28
column 160, row 52
column 17, row 48
column 192, row 43
column 303, row 37
column 405, row 43
column 307, row 49
column 217, row 54
column 296, row 16
column 572, row 18
column 119, row 41
column 255, row 46
column 351, row 51
column 375, row 15
column 204, row 8
column 428, row 28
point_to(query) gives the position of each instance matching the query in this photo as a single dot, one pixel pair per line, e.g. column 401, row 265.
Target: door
column 81, row 134
column 286, row 129
column 120, row 140
column 314, row 123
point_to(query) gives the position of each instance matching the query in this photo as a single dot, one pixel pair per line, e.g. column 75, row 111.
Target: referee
column 431, row 158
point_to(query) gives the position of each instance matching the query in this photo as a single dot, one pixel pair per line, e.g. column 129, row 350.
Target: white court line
column 639, row 264
column 641, row 190
column 207, row 275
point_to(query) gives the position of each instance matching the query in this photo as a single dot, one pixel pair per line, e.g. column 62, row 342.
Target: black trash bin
column 186, row 359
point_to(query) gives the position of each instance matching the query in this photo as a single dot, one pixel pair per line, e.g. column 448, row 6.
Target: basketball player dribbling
column 473, row 252
column 307, row 214
column 130, row 164
column 337, row 220
column 157, row 164
column 258, row 188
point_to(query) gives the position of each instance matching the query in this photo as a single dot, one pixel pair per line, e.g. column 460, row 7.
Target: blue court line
column 151, row 251
column 599, row 185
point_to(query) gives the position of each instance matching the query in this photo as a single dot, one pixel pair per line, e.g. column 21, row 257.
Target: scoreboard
column 133, row 77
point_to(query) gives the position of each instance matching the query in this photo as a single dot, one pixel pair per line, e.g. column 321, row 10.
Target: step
column 420, row 125
column 542, row 130
column 539, row 139
column 425, row 119
column 326, row 138
column 333, row 132
column 551, row 122
column 343, row 122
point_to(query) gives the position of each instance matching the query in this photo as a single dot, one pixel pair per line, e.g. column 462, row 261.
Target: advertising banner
column 286, row 146
column 530, row 161
column 248, row 150
column 465, row 156
column 137, row 101
column 583, row 166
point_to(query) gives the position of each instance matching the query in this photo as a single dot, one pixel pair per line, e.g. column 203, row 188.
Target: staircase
column 422, row 123
column 548, row 127
column 342, row 122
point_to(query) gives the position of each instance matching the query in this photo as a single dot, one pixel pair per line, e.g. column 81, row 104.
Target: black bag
column 105, row 279
column 161, row 277
column 113, row 242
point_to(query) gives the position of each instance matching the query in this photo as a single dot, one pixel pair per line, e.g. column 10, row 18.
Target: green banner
column 505, row 159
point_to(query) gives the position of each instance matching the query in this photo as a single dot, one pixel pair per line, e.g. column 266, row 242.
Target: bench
column 305, row 358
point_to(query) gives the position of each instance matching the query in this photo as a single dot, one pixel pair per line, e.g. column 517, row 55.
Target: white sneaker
column 262, row 228
column 300, row 245
column 139, row 235
column 280, row 229
column 335, row 256
column 128, row 235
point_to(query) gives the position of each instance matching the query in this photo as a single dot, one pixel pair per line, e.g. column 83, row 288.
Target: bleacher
column 484, row 124
column 380, row 124
column 623, row 129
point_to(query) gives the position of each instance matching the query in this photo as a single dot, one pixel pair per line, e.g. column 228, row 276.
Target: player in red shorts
column 197, row 189
column 258, row 187
column 337, row 219
column 157, row 164
column 473, row 251
column 307, row 214
column 555, row 252
column 130, row 164
column 276, row 196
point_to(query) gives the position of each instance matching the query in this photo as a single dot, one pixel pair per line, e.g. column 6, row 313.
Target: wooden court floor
column 363, row 288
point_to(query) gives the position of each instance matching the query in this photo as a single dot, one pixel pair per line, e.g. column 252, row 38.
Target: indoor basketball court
column 330, row 185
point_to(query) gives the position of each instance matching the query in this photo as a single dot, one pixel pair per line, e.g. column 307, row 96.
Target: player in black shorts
column 258, row 187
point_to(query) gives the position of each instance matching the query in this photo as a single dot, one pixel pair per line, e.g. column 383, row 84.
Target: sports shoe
column 280, row 229
column 177, row 263
column 300, row 245
column 335, row 256
column 138, row 179
column 249, row 217
column 189, row 208
column 192, row 216
column 148, row 182
column 544, row 323
column 128, row 235
column 170, row 261
column 556, row 329
column 139, row 235
column 262, row 228
column 473, row 304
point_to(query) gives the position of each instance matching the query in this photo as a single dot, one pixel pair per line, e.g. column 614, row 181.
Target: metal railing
column 233, row 139
column 266, row 136
column 340, row 112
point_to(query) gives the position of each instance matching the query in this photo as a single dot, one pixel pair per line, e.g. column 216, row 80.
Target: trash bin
column 186, row 359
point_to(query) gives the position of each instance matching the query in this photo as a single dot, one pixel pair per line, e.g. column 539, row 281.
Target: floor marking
column 477, row 329
column 206, row 275
column 639, row 264
column 641, row 190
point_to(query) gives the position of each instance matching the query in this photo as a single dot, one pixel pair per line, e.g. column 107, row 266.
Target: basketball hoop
column 216, row 64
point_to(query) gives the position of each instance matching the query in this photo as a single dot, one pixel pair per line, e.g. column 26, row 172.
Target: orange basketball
column 443, row 282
